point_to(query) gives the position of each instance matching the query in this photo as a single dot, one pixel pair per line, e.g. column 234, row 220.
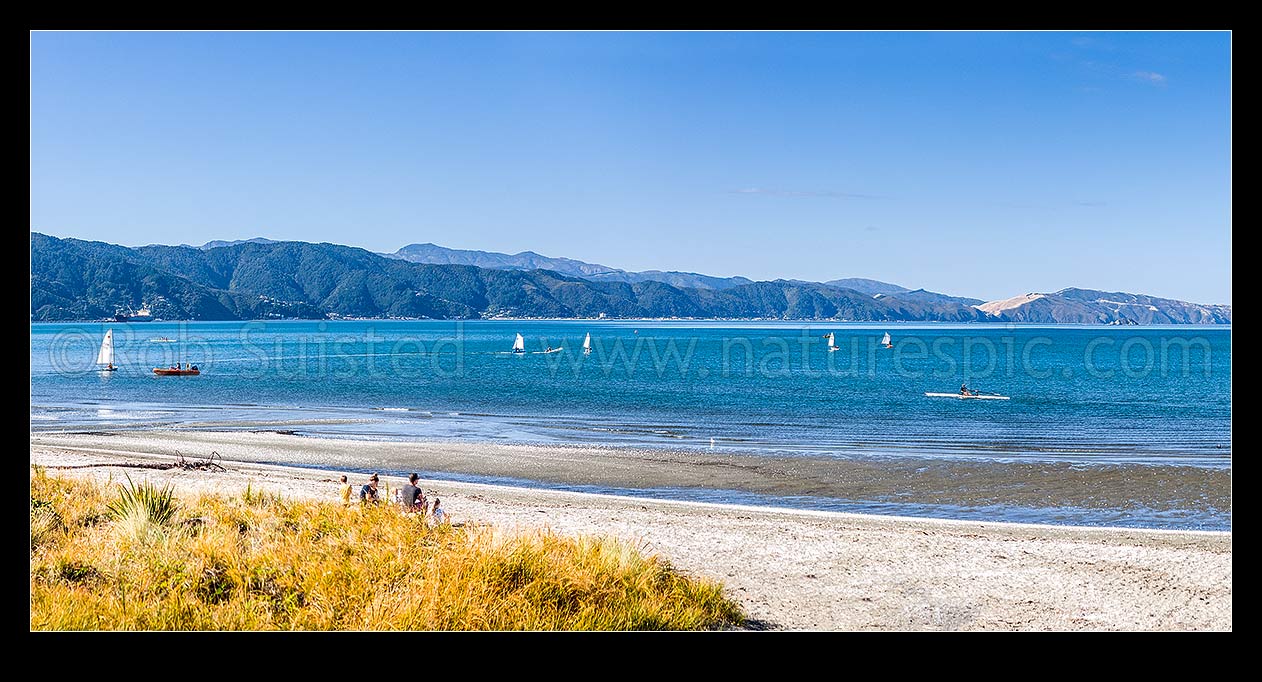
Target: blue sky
column 980, row 164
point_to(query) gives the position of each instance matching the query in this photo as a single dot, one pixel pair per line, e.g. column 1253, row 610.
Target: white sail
column 519, row 344
column 831, row 342
column 106, row 355
column 886, row 339
column 587, row 343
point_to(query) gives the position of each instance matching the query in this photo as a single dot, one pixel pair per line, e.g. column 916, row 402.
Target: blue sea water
column 1081, row 396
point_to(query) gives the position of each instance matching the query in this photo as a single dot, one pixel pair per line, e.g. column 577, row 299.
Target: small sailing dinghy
column 587, row 344
column 106, row 355
column 519, row 345
column 885, row 341
column 832, row 344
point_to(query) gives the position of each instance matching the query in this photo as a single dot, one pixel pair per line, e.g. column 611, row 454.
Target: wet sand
column 898, row 481
column 789, row 569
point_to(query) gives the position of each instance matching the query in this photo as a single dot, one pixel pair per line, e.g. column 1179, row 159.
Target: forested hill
column 76, row 280
column 80, row 280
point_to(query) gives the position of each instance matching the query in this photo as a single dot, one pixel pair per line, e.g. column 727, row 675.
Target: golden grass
column 259, row 562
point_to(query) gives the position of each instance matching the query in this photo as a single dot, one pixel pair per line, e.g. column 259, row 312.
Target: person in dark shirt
column 368, row 493
column 413, row 498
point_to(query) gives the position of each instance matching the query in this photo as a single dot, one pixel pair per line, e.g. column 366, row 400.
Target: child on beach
column 345, row 491
column 368, row 493
column 440, row 515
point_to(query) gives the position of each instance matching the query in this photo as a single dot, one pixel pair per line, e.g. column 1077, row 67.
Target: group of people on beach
column 410, row 498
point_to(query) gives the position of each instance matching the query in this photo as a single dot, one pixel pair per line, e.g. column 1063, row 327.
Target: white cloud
column 1150, row 77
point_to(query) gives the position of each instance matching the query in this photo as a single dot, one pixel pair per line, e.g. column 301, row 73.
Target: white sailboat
column 519, row 345
column 106, row 355
column 832, row 344
column 587, row 344
column 885, row 341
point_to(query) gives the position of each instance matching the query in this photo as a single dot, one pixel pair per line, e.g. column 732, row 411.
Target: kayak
column 967, row 397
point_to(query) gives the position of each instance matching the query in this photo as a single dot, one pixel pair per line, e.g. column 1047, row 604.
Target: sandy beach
column 789, row 569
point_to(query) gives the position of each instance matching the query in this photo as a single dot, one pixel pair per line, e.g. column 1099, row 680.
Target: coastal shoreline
column 790, row 569
column 1033, row 491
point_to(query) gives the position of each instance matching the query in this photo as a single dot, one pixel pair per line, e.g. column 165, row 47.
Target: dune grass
column 134, row 557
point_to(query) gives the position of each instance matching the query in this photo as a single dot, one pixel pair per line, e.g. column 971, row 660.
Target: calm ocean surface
column 1090, row 398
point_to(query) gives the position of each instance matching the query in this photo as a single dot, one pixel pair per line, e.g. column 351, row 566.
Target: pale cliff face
column 997, row 307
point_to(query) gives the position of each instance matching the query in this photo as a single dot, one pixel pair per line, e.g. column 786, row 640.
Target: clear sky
column 979, row 164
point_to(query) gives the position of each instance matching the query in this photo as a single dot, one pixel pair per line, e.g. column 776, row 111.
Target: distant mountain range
column 867, row 286
column 217, row 243
column 258, row 278
column 529, row 260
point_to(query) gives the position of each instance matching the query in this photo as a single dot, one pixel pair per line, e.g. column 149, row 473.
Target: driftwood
column 205, row 464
